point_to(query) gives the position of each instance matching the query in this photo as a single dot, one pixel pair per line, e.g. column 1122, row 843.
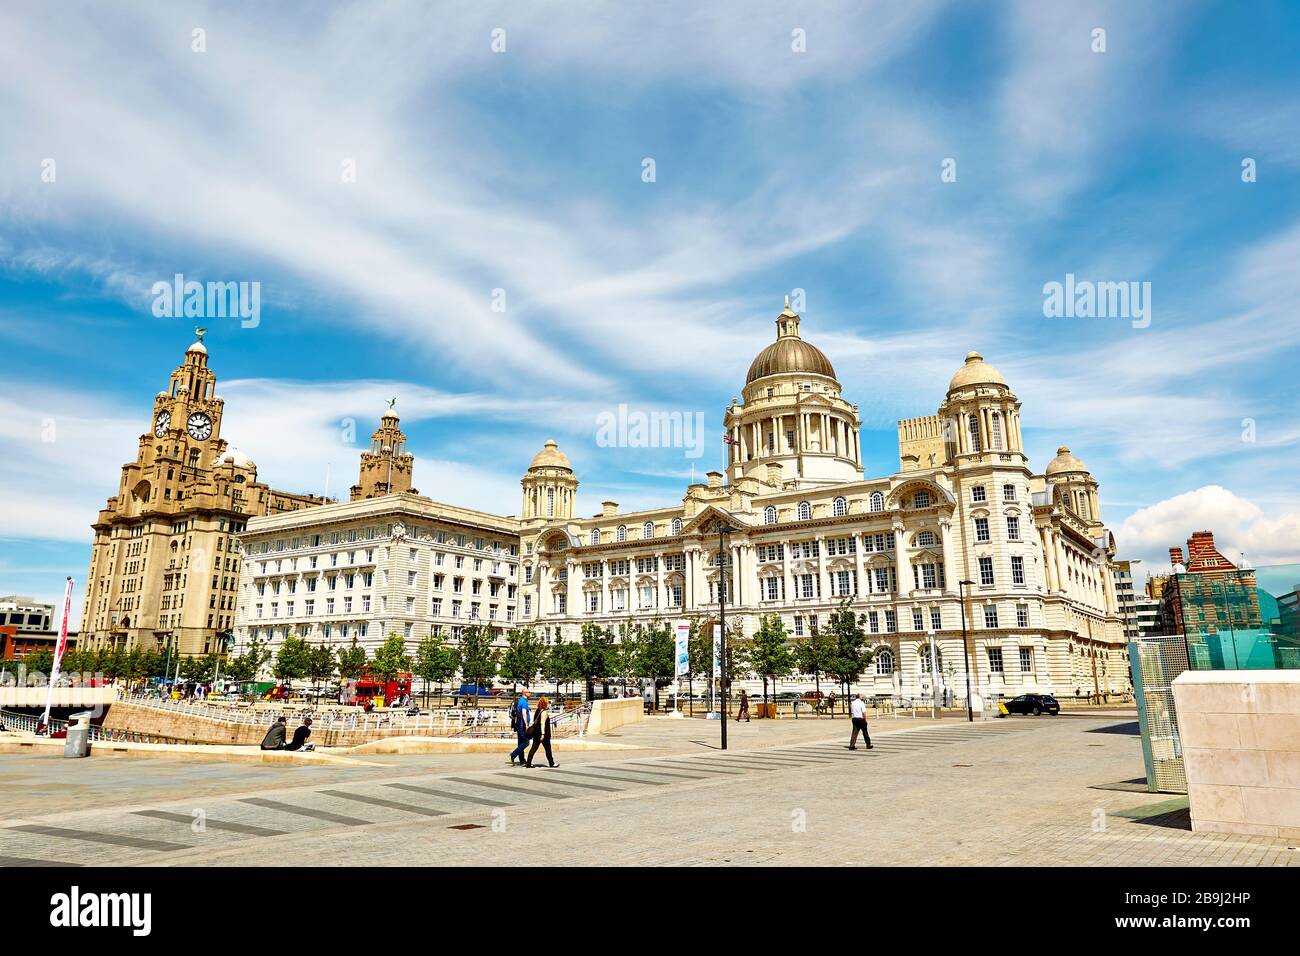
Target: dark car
column 1034, row 704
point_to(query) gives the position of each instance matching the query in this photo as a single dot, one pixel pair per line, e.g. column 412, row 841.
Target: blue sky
column 775, row 170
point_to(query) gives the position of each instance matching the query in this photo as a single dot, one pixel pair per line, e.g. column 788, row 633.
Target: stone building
column 810, row 531
column 165, row 557
column 385, row 562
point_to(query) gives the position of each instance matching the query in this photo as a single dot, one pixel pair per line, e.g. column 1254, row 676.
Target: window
column 1013, row 528
column 990, row 615
column 873, row 622
column 677, row 526
column 840, row 508
column 773, row 588
column 995, row 429
column 891, row 621
column 936, row 619
column 1017, row 569
column 921, row 499
column 1022, row 615
column 877, row 501
column 986, row 571
column 885, row 662
column 595, row 536
column 769, row 515
column 807, row 585
column 925, row 539
column 973, row 425
column 918, row 619
column 1026, row 660
column 1008, row 492
column 648, row 530
column 977, row 493
column 805, row 511
column 995, row 660
column 981, row 529
column 593, row 602
column 621, row 533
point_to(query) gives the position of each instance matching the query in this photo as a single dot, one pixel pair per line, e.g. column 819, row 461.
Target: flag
column 726, row 437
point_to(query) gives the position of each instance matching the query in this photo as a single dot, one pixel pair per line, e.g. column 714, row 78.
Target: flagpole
column 58, row 651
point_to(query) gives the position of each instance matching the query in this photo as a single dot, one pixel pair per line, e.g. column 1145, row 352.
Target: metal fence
column 1155, row 662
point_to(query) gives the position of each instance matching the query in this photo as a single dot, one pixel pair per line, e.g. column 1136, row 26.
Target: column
column 661, row 595
column 863, row 585
column 604, row 587
column 822, row 576
column 790, row 593
column 951, row 573
column 572, row 588
column 902, row 567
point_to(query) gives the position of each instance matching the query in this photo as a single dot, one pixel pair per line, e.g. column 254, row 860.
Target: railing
column 29, row 724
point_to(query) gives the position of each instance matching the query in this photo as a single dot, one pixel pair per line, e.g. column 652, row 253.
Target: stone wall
column 1240, row 734
column 607, row 715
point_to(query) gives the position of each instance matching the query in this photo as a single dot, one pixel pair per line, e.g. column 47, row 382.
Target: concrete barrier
column 607, row 715
column 1240, row 734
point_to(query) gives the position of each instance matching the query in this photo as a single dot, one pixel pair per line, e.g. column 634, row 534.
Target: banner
column 682, row 652
column 717, row 650
column 58, row 651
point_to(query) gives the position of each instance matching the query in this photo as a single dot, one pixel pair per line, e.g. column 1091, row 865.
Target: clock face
column 199, row 426
column 161, row 425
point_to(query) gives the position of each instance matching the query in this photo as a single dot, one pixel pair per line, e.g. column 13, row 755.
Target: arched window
column 921, row 499
column 995, row 429
column 877, row 501
column 621, row 533
column 677, row 526
column 840, row 508
column 805, row 511
column 925, row 539
column 885, row 662
column 648, row 529
column 595, row 536
column 974, row 424
column 769, row 515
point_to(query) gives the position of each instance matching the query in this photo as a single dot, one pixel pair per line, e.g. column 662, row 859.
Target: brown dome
column 789, row 353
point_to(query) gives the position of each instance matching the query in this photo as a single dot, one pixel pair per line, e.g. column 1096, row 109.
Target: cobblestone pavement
column 1014, row 792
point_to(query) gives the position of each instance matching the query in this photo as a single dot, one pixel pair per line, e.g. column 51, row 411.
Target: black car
column 1033, row 704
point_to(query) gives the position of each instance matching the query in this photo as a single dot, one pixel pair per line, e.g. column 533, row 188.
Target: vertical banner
column 717, row 650
column 58, row 651
column 682, row 650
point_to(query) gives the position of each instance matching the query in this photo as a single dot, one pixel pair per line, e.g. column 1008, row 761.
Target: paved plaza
column 1021, row 791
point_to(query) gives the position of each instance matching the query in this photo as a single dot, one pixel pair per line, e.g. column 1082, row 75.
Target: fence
column 29, row 724
column 1155, row 662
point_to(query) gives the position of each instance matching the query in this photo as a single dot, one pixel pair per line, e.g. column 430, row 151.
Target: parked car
column 1034, row 704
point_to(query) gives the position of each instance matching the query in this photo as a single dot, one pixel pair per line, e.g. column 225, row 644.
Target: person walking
column 274, row 739
column 521, row 728
column 541, row 733
column 743, row 712
column 858, row 710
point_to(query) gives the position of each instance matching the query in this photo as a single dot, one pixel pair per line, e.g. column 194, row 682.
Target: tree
column 245, row 667
column 815, row 654
column 524, row 654
column 771, row 656
column 624, row 655
column 848, row 637
column 320, row 663
column 478, row 658
column 291, row 661
column 736, row 665
column 391, row 660
column 434, row 661
column 563, row 664
column 655, row 654
column 699, row 648
column 597, row 653
column 351, row 660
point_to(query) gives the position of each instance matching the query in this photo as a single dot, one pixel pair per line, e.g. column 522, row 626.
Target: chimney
column 1200, row 545
column 608, row 508
column 774, row 474
column 715, row 479
column 1175, row 555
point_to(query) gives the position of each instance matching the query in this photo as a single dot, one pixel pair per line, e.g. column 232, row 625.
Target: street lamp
column 965, row 655
column 723, row 530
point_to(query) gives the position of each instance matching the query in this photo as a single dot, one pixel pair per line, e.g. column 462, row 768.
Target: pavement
column 1016, row 792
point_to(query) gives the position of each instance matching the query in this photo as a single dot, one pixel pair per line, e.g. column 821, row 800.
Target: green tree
column 391, row 660
column 351, row 660
column 849, row 638
column 699, row 647
column 597, row 654
column 771, row 656
column 320, row 663
column 523, row 657
column 434, row 661
column 291, row 660
column 479, row 659
column 655, row 653
column 815, row 654
column 624, row 657
column 563, row 664
column 249, row 664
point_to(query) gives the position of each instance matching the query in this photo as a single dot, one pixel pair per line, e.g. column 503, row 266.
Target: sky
column 516, row 217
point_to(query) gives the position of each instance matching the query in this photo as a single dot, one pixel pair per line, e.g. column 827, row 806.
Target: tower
column 549, row 487
column 386, row 469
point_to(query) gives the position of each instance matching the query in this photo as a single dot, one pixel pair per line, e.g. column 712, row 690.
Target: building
column 165, row 558
column 1208, row 593
column 1147, row 612
column 385, row 562
column 25, row 613
column 810, row 532
column 1126, row 598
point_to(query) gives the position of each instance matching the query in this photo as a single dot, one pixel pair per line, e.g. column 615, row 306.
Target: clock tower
column 165, row 560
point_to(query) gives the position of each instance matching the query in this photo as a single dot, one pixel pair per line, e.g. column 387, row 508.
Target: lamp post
column 723, row 530
column 961, row 590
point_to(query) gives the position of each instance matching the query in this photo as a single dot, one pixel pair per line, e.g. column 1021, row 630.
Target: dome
column 197, row 347
column 976, row 372
column 789, row 353
column 237, row 458
column 1064, row 462
column 550, row 457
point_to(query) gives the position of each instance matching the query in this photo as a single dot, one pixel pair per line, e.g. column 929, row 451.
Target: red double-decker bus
column 368, row 687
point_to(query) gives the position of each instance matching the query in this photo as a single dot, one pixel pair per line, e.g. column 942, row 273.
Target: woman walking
column 743, row 713
column 541, row 733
